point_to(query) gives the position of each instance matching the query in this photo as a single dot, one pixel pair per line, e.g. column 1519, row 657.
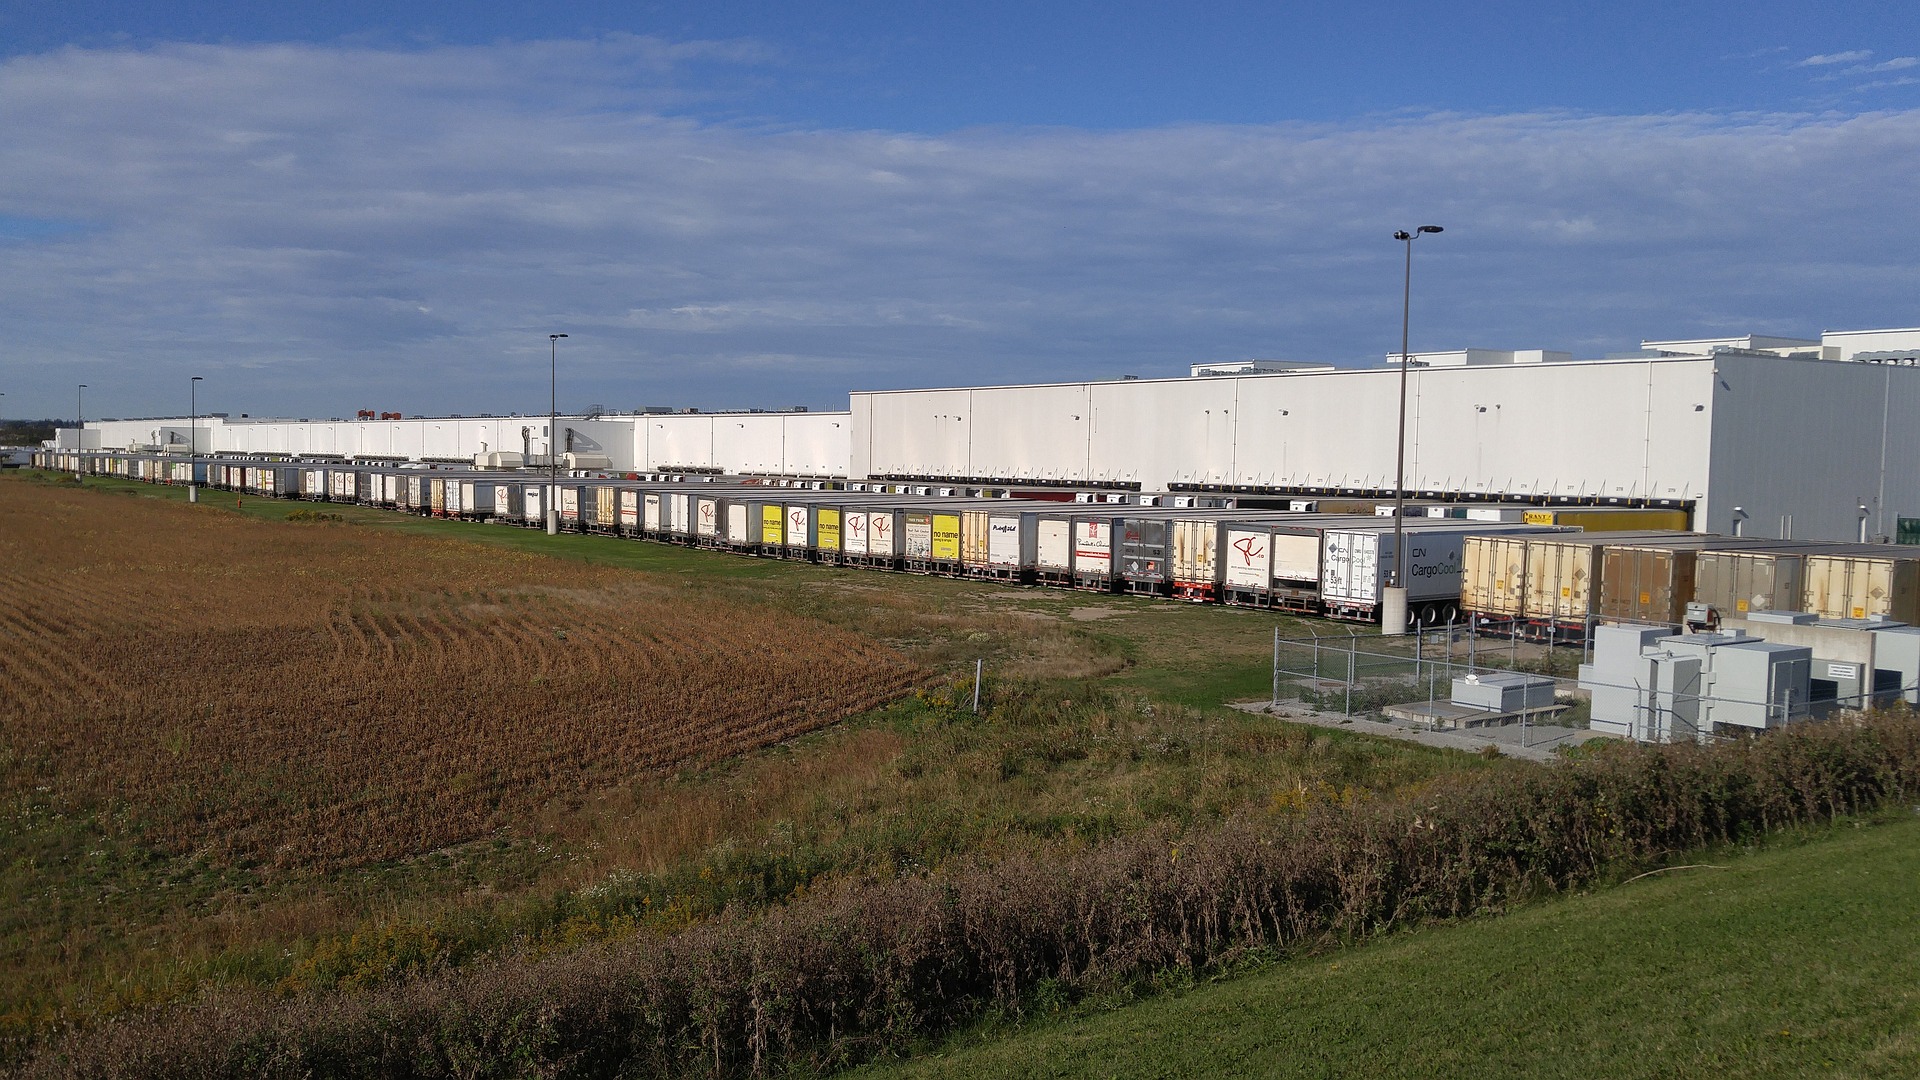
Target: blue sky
column 754, row 205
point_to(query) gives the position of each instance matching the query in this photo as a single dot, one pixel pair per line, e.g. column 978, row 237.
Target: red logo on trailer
column 856, row 523
column 798, row 518
column 1246, row 545
column 706, row 511
column 881, row 525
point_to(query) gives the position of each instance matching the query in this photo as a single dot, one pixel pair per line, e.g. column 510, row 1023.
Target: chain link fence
column 1410, row 678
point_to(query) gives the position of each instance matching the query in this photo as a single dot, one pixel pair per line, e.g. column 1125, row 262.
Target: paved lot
column 1536, row 742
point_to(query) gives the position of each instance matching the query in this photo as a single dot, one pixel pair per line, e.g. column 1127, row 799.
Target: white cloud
column 321, row 229
column 1898, row 63
column 1851, row 57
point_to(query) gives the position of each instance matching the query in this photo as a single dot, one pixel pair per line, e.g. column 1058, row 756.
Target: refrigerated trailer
column 1862, row 585
column 1273, row 560
column 1356, row 564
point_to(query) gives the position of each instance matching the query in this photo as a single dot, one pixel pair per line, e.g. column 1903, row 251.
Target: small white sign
column 1843, row 671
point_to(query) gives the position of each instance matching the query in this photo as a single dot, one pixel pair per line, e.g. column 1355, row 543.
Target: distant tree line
column 28, row 432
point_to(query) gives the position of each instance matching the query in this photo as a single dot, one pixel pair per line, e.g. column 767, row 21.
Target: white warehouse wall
column 798, row 444
column 1587, row 429
column 803, row 444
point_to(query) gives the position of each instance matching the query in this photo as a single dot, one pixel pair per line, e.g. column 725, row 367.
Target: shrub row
column 867, row 969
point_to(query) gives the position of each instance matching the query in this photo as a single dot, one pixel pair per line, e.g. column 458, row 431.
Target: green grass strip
column 1796, row 961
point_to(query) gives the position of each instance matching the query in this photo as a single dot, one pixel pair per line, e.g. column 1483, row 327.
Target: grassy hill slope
column 1794, row 961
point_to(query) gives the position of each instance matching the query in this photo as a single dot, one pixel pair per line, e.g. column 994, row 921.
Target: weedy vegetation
column 405, row 797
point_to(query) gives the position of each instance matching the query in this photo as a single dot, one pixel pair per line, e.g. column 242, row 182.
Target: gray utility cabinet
column 1856, row 662
column 1658, row 687
column 1503, row 691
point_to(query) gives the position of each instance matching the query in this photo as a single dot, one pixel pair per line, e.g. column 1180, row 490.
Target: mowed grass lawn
column 1801, row 960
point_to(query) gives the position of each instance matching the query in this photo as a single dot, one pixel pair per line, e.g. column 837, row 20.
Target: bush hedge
column 863, row 969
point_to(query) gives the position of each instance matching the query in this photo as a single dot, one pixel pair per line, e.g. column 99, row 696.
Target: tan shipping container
column 1493, row 576
column 1562, row 573
column 1559, row 575
column 1860, row 586
column 1647, row 584
column 603, row 504
column 976, row 537
column 1736, row 582
column 1196, row 563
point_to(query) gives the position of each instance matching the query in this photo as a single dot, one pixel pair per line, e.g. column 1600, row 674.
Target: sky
column 390, row 206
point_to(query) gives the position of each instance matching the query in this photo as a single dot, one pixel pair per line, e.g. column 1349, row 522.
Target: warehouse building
column 1815, row 439
column 1755, row 435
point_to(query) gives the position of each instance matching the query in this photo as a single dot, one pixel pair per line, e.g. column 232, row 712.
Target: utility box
column 1857, row 663
column 1618, row 674
column 1896, row 663
column 1690, row 687
column 1503, row 692
column 1758, row 684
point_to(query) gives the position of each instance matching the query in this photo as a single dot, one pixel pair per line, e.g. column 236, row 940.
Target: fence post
column 1419, row 637
column 1473, row 646
column 1352, row 643
column 1275, row 703
column 978, row 667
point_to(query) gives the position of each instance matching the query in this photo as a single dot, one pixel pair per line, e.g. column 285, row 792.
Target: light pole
column 553, row 433
column 79, row 427
column 193, row 438
column 1393, row 599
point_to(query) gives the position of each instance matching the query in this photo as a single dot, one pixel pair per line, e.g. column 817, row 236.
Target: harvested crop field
column 307, row 696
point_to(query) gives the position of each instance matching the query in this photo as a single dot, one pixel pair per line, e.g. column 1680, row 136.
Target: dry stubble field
column 301, row 697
